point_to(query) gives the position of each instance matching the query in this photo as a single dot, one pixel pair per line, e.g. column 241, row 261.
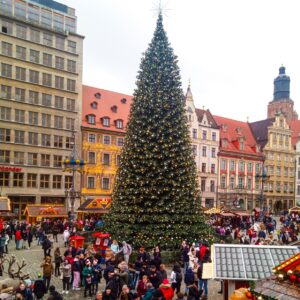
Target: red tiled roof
column 234, row 130
column 105, row 107
column 295, row 127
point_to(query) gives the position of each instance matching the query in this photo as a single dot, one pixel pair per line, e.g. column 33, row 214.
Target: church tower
column 281, row 102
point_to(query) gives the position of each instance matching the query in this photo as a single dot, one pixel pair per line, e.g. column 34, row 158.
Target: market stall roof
column 101, row 235
column 97, row 205
column 295, row 209
column 46, row 211
column 213, row 210
column 248, row 262
column 227, row 214
column 241, row 213
column 76, row 237
column 4, row 204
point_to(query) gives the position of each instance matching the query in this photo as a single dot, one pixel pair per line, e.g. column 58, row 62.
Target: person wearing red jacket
column 166, row 289
column 18, row 238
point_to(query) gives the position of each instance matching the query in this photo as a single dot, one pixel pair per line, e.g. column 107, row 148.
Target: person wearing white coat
column 66, row 236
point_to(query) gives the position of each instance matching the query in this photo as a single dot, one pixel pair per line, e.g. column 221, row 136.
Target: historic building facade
column 275, row 138
column 104, row 120
column 240, row 160
column 40, row 99
column 205, row 142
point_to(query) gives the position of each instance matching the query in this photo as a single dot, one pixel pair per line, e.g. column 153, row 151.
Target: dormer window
column 224, row 127
column 119, row 124
column 97, row 96
column 106, row 121
column 224, row 142
column 239, row 130
column 94, row 105
column 114, row 108
column 242, row 145
column 91, row 119
column 123, row 100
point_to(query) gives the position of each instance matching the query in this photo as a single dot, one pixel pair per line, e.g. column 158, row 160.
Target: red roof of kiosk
column 76, row 237
column 101, row 235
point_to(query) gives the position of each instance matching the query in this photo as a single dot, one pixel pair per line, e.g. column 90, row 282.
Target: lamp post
column 73, row 164
column 264, row 177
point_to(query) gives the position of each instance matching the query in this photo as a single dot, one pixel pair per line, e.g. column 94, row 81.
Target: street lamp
column 264, row 177
column 73, row 164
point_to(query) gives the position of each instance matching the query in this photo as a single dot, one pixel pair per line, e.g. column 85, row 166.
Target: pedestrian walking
column 65, row 269
column 47, row 271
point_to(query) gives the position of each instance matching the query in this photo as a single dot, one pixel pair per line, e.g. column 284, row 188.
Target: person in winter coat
column 6, row 243
column 77, row 269
column 176, row 278
column 166, row 290
column 87, row 275
column 193, row 293
column 154, row 277
column 126, row 249
column 66, row 236
column 189, row 279
column 46, row 245
column 57, row 261
column 125, row 294
column 142, row 286
column 162, row 272
column 113, row 284
column 149, row 292
column 53, row 294
column 106, row 295
column 65, row 268
column 18, row 238
column 203, row 283
column 47, row 271
column 39, row 288
column 97, row 275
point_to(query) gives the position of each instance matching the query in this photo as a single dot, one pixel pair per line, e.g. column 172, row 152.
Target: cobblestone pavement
column 34, row 258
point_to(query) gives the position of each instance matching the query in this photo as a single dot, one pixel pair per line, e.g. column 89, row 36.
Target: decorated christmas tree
column 156, row 198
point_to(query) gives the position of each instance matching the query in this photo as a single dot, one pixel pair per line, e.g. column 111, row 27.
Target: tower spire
column 281, row 85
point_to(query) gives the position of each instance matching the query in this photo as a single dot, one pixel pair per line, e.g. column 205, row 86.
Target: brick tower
column 281, row 101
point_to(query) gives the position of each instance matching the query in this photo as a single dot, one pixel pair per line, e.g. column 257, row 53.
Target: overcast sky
column 230, row 49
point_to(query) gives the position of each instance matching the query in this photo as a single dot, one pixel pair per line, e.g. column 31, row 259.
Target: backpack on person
column 178, row 277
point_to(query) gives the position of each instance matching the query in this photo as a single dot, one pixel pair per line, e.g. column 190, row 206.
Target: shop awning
column 213, row 210
column 241, row 213
column 4, row 204
column 227, row 214
column 99, row 205
column 45, row 211
column 295, row 209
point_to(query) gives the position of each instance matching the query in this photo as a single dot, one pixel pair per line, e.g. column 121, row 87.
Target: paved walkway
column 34, row 258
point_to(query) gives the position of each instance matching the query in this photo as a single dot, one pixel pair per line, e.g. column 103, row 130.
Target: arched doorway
column 278, row 206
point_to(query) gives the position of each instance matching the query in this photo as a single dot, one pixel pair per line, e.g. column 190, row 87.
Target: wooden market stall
column 38, row 212
column 295, row 209
column 77, row 241
column 212, row 211
column 5, row 209
column 96, row 207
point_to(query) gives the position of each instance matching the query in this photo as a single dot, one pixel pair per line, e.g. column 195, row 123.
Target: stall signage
column 10, row 169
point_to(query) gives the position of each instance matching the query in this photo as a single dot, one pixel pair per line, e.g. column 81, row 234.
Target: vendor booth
column 5, row 209
column 95, row 207
column 37, row 212
column 77, row 241
column 102, row 242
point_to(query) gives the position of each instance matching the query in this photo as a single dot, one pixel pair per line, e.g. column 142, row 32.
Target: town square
column 122, row 179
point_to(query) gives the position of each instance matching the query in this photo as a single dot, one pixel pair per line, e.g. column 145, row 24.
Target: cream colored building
column 40, row 99
column 205, row 142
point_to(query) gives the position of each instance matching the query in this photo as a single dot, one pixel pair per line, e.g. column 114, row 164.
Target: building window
column 231, row 183
column 91, row 138
column 194, row 150
column 71, row 85
column 194, row 133
column 223, row 164
column 34, row 56
column 106, row 122
column 241, row 182
column 213, row 168
column 20, row 10
column 46, row 140
column 59, row 43
column 46, row 18
column 68, row 182
column 20, row 116
column 69, row 142
column 33, row 97
column 47, row 59
column 257, row 168
column 106, row 159
column 4, row 135
column 91, row 119
column 44, row 181
column 285, row 171
column 59, row 62
column 59, row 102
column 70, row 124
column 34, row 76
column 5, row 92
column 45, row 160
column 223, row 182
column 120, row 141
column 33, row 14
column 18, row 158
column 249, row 183
column 58, row 122
column 203, row 167
column 91, row 182
column 105, row 183
column 4, row 156
column 46, row 120
column 119, row 124
column 32, row 159
column 5, row 113
column 20, row 94
column 20, row 73
column 71, row 46
column 204, row 134
column 31, row 180
column 46, row 99
column 241, row 166
column 4, row 179
column 58, row 22
column 20, row 52
column 278, row 171
column 6, row 70
column 57, row 161
column 58, row 141
column 298, row 189
column 250, row 167
column 213, row 152
column 6, row 27
column 91, row 157
column 204, row 151
column 59, row 82
column 106, row 139
column 232, row 165
column 18, row 180
column 19, row 136
column 57, row 179
column 70, row 24
column 214, row 136
column 21, row 31
column 33, row 138
column 242, row 145
column 118, row 159
column 202, row 186
column 71, row 66
column 212, row 186
column 47, row 39
column 47, row 79
column 6, row 48
column 70, row 104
